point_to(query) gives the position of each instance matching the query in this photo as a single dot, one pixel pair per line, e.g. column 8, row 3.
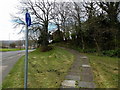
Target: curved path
column 80, row 74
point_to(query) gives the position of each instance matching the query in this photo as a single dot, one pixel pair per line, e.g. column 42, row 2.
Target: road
column 7, row 61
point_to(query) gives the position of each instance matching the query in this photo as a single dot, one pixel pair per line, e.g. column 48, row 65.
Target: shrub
column 12, row 45
column 45, row 48
column 89, row 50
column 112, row 53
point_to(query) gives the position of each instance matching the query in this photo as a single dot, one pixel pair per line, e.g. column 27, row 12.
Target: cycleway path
column 80, row 74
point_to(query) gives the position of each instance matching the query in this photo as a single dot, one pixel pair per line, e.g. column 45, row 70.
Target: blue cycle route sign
column 28, row 19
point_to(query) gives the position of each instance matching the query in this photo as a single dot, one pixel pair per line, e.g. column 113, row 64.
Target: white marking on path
column 84, row 57
column 87, row 66
column 68, row 83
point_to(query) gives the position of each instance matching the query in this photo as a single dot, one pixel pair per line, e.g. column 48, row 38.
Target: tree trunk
column 45, row 35
column 83, row 44
column 96, row 43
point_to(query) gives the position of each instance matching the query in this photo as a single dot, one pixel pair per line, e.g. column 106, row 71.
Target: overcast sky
column 7, row 32
column 8, row 7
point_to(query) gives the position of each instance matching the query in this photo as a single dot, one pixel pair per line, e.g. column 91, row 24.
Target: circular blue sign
column 28, row 19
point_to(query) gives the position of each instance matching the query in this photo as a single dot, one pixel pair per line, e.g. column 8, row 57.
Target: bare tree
column 63, row 13
column 76, row 13
column 41, row 15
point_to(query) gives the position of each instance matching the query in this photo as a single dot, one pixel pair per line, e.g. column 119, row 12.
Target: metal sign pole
column 28, row 23
column 26, row 57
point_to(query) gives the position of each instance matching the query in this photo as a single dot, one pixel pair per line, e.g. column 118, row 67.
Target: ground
column 46, row 69
column 80, row 74
column 50, row 69
column 105, row 70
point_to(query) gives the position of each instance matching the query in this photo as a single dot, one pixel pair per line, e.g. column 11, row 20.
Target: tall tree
column 93, row 31
column 41, row 14
column 76, row 14
column 57, row 20
column 63, row 12
column 113, row 10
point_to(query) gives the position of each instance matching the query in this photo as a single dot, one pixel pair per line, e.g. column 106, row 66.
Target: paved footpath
column 80, row 74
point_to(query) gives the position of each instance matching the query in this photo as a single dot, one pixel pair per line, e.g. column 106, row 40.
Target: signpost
column 28, row 23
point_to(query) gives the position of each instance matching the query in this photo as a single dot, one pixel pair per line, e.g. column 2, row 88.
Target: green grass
column 46, row 69
column 105, row 70
column 13, row 49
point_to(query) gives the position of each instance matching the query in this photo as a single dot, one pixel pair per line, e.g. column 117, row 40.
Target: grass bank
column 46, row 69
column 105, row 68
column 13, row 49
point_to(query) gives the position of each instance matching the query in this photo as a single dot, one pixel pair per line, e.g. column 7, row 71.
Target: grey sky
column 7, row 7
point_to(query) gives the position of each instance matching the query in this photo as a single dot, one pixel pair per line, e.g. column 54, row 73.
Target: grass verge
column 105, row 70
column 46, row 69
column 14, row 49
